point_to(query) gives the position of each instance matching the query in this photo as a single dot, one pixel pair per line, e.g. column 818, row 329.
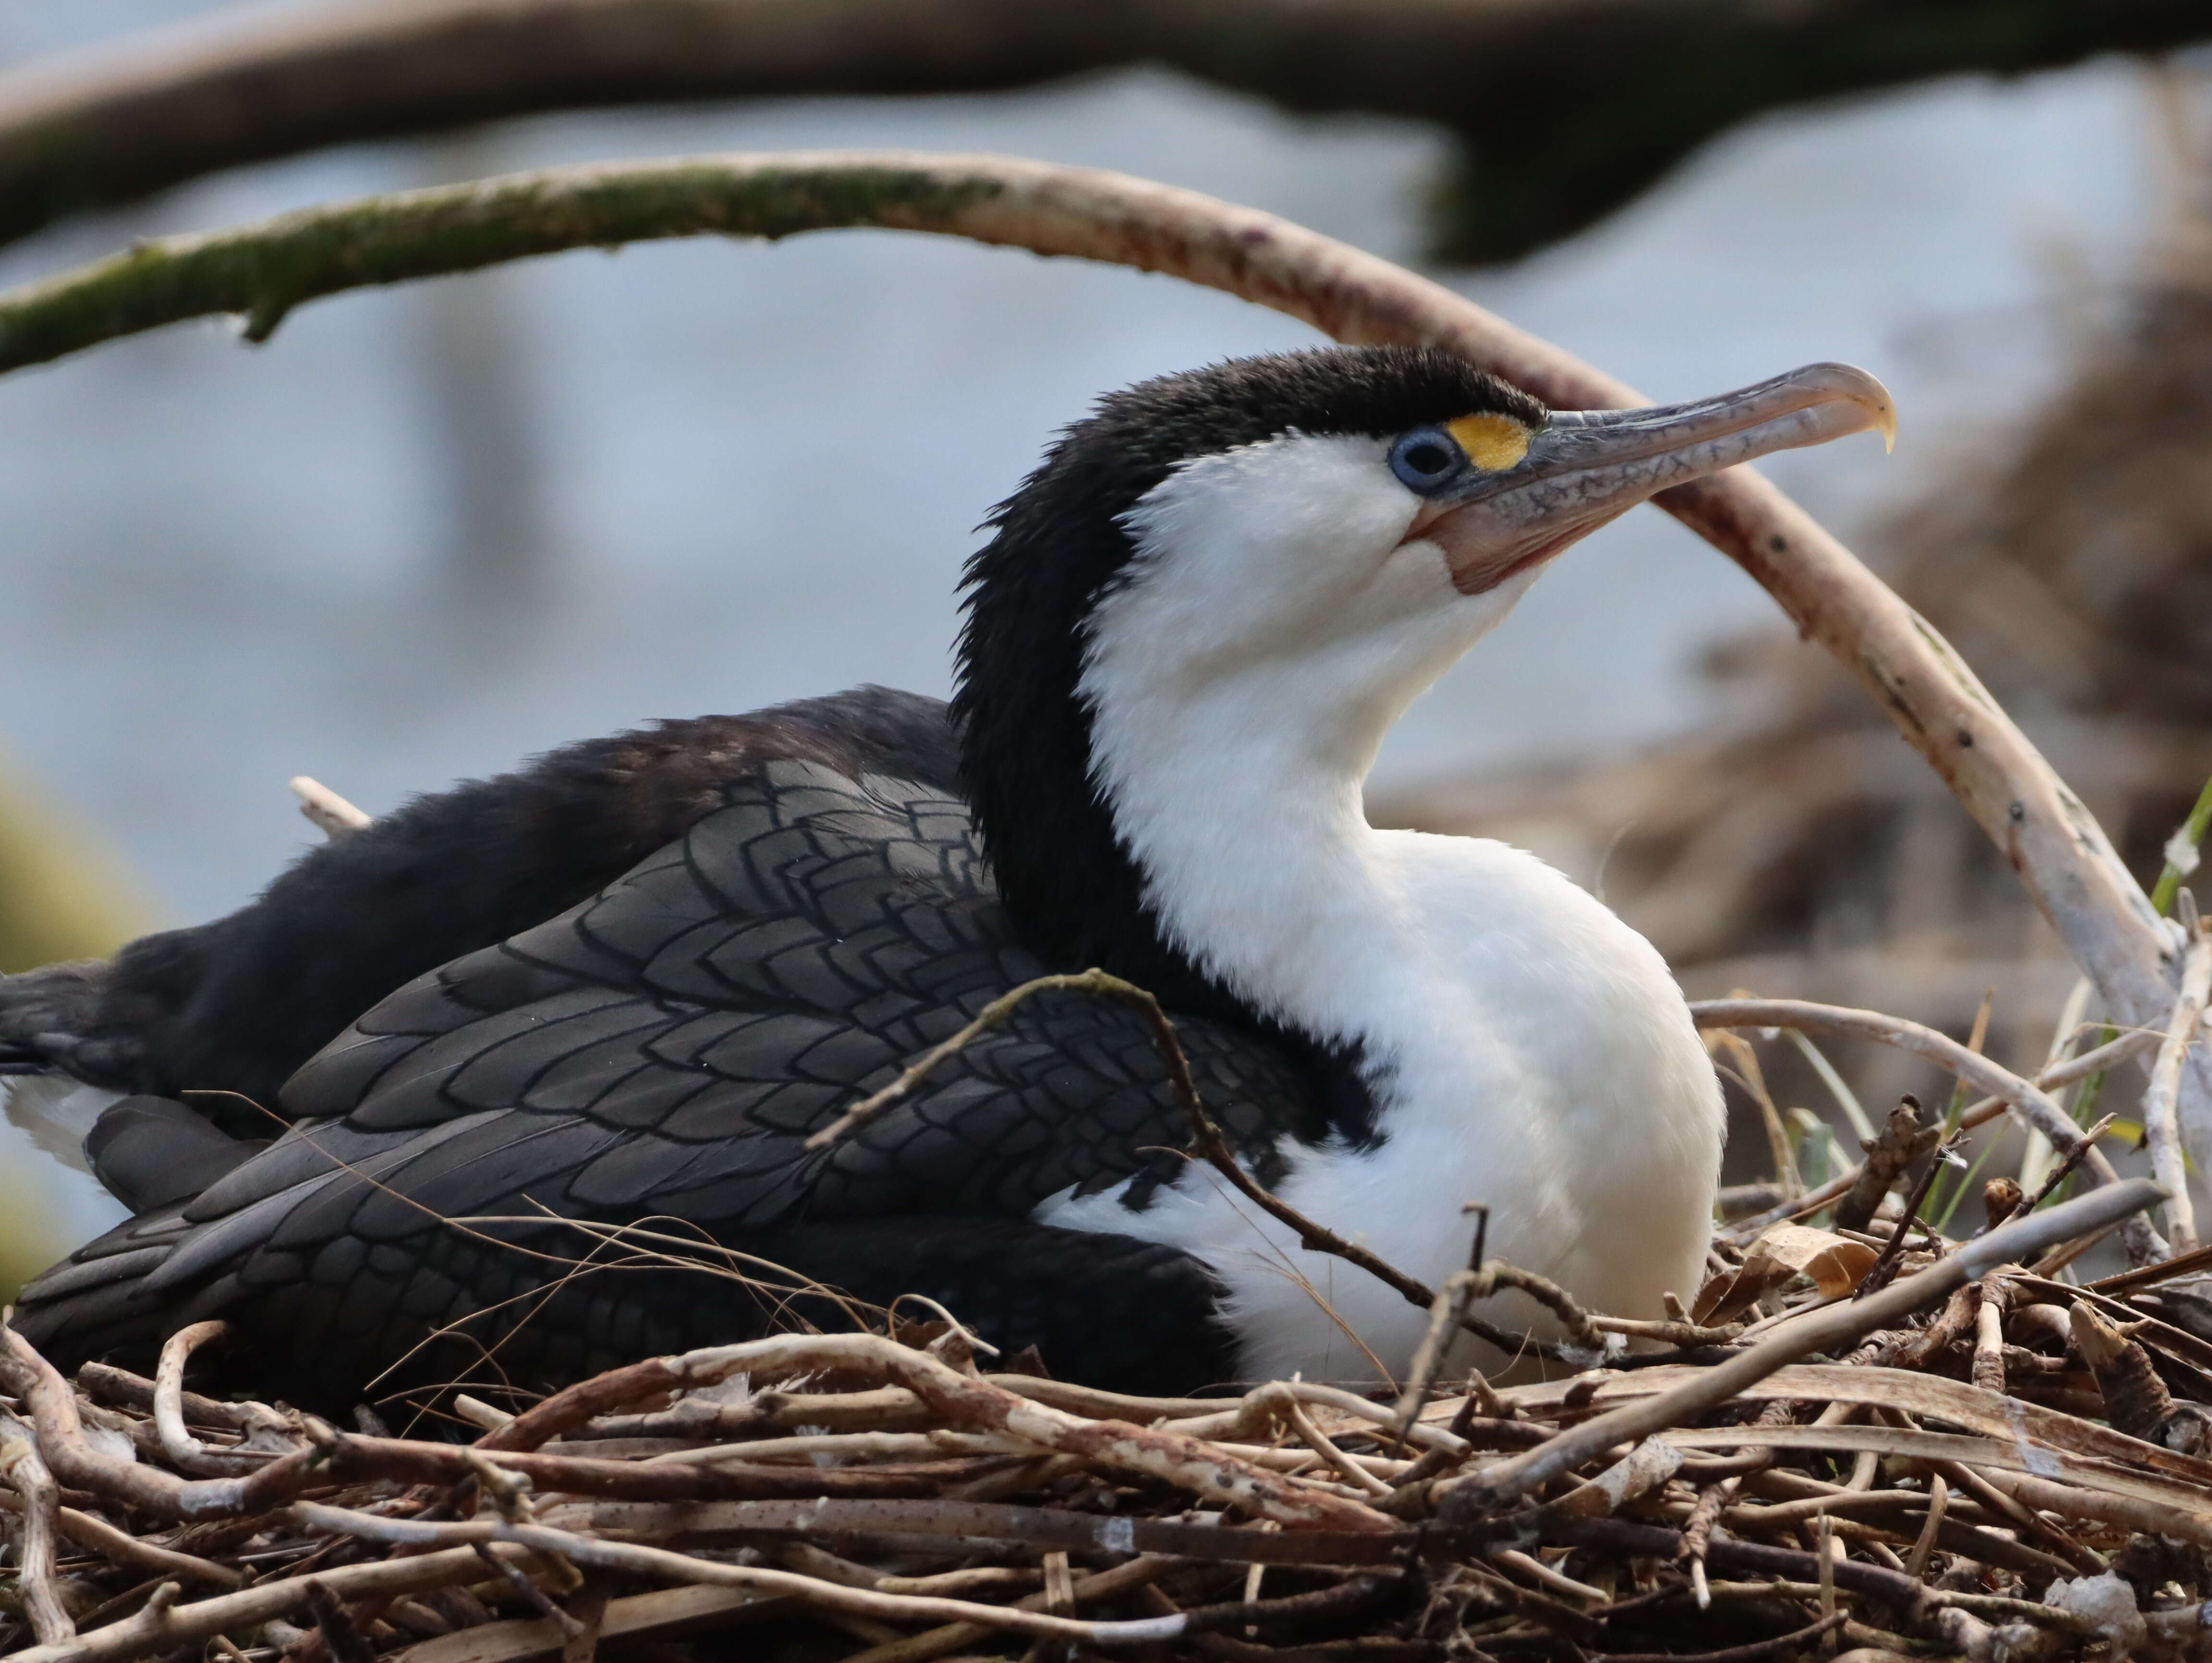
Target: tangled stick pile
column 1918, row 1469
column 1866, row 1433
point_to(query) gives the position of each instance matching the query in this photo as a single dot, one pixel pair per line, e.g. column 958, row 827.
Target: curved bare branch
column 2033, row 1108
column 2043, row 830
column 1567, row 108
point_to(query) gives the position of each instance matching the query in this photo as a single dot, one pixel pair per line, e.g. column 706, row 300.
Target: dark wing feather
column 237, row 1005
column 664, row 1049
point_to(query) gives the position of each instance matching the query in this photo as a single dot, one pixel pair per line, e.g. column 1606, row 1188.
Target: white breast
column 1526, row 1048
column 1527, row 1051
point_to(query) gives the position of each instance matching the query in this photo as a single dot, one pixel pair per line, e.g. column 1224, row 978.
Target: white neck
column 1522, row 1045
column 1241, row 682
column 1251, row 831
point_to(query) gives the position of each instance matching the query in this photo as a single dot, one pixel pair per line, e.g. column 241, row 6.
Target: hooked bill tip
column 1851, row 383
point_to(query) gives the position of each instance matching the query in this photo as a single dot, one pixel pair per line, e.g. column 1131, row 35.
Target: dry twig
column 34, row 1551
column 2161, row 1101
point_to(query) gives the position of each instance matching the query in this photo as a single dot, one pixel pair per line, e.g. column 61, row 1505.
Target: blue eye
column 1426, row 458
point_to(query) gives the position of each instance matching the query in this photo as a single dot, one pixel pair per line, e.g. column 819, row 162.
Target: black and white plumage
column 636, row 977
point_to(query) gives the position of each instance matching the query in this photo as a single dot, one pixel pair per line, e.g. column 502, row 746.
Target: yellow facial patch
column 1492, row 442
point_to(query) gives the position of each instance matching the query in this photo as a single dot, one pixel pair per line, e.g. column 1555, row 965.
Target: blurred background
column 428, row 531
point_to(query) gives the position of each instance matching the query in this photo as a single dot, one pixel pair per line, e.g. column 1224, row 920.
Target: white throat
column 1524, row 1048
column 1271, row 627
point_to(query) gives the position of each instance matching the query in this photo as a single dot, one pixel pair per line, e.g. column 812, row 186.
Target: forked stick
column 2034, row 1107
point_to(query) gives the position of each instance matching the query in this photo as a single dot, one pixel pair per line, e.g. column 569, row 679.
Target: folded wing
column 661, row 1052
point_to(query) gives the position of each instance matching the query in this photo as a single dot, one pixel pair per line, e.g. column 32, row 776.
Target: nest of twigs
column 1859, row 1438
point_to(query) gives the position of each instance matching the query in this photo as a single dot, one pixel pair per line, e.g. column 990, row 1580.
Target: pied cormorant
column 627, row 983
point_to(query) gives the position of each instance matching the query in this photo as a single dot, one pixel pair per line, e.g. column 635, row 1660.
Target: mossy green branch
column 261, row 272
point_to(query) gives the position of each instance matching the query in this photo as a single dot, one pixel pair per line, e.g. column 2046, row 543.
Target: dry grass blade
column 1984, row 1414
column 2161, row 1103
column 662, row 1611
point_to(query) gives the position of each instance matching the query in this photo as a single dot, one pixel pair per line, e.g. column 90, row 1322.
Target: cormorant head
column 1284, row 552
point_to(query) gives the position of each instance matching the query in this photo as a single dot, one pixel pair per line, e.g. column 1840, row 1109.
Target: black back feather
column 234, row 1005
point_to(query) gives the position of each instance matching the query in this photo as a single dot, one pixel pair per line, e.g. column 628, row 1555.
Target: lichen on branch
column 261, row 272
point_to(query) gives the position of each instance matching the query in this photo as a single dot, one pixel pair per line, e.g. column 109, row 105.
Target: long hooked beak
column 1583, row 468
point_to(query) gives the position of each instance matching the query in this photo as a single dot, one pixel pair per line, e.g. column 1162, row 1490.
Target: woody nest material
column 1866, row 1438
